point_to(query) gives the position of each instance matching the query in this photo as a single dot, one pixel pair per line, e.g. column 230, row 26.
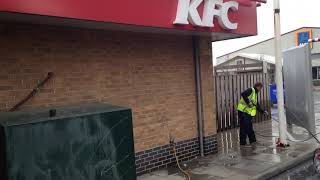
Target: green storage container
column 91, row 142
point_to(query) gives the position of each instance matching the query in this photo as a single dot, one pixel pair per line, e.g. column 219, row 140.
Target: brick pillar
column 208, row 93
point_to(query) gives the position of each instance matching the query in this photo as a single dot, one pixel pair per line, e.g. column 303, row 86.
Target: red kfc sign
column 204, row 16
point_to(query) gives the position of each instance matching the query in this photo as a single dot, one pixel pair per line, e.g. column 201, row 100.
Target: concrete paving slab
column 214, row 171
column 281, row 167
column 240, row 177
column 234, row 163
column 253, row 166
column 266, row 158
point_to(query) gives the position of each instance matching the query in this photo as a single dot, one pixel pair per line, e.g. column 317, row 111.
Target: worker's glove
column 250, row 105
column 266, row 113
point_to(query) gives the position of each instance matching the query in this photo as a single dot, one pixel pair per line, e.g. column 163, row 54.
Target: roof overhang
column 143, row 15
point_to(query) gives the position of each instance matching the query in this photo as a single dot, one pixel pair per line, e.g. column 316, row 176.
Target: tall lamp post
column 279, row 79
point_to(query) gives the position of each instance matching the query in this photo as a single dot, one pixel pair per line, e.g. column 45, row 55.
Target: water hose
column 313, row 135
column 177, row 160
column 289, row 135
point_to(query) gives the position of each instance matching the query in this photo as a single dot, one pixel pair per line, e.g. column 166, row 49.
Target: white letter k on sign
column 188, row 11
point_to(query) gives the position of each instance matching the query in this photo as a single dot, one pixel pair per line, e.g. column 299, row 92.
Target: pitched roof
column 256, row 57
column 268, row 40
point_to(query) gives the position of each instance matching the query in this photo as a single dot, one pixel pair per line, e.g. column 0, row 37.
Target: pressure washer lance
column 173, row 144
column 278, row 143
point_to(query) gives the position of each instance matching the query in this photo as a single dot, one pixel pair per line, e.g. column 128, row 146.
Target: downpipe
column 196, row 58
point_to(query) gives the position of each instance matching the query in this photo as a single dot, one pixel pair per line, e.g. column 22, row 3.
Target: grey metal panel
column 297, row 72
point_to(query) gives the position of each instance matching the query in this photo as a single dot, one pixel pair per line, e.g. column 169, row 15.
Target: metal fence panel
column 228, row 90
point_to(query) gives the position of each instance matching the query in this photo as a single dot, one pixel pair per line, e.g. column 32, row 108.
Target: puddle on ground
column 175, row 171
column 227, row 160
column 293, row 154
column 196, row 164
column 273, row 150
column 245, row 152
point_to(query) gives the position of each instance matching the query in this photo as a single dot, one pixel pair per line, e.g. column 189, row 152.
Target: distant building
column 247, row 63
column 265, row 50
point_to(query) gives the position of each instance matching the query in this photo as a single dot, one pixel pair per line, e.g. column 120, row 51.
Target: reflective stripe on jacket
column 244, row 107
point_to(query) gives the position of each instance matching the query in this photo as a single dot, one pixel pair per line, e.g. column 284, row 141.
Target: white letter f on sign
column 188, row 11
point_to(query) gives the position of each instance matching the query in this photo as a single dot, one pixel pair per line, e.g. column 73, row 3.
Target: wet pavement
column 302, row 172
column 235, row 163
column 305, row 170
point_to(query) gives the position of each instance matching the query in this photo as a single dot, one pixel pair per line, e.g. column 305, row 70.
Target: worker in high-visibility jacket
column 247, row 110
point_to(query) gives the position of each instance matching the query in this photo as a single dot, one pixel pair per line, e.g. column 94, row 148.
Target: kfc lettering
column 187, row 12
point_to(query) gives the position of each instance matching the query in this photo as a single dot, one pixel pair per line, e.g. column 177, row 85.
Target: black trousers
column 246, row 128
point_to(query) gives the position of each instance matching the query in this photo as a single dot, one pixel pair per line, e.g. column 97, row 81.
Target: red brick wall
column 153, row 74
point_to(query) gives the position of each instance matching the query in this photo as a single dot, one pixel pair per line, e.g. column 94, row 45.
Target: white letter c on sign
column 224, row 19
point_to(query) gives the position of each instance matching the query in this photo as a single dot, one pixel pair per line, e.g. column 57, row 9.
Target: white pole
column 279, row 78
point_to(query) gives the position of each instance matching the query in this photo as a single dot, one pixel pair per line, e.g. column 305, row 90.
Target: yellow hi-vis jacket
column 244, row 107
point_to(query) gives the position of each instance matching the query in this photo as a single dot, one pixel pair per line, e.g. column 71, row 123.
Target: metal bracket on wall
column 33, row 92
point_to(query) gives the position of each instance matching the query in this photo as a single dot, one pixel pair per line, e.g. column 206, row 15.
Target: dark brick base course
column 210, row 145
column 161, row 157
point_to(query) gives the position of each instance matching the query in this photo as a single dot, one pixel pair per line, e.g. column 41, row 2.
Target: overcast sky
column 294, row 14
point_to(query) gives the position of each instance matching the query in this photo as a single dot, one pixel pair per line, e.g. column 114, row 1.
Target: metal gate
column 228, row 90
